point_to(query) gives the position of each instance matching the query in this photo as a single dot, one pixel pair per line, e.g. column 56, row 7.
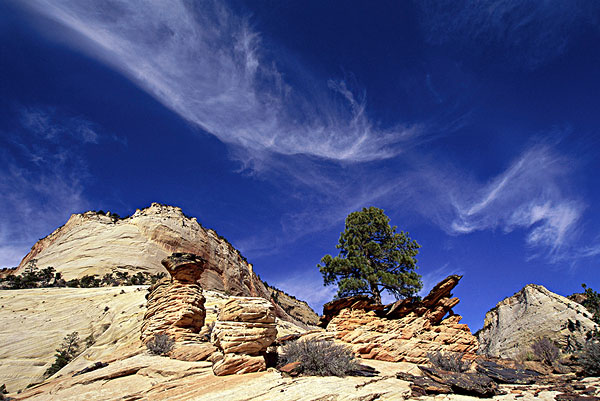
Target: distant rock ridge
column 97, row 243
column 516, row 322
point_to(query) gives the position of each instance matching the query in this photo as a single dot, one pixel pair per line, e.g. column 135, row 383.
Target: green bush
column 592, row 302
column 319, row 358
column 449, row 361
column 67, row 351
column 161, row 344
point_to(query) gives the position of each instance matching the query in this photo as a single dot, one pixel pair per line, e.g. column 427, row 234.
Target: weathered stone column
column 176, row 304
column 245, row 328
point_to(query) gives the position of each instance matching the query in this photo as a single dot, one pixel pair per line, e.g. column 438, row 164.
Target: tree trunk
column 376, row 293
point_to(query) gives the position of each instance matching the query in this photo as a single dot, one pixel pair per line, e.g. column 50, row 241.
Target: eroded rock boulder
column 407, row 330
column 243, row 332
column 532, row 313
column 176, row 305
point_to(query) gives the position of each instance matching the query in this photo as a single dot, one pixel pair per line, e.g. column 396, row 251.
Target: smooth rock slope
column 95, row 243
column 532, row 313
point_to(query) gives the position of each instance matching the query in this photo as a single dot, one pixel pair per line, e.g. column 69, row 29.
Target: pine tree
column 68, row 350
column 373, row 258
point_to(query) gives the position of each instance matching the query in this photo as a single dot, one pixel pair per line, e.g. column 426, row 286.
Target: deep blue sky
column 474, row 125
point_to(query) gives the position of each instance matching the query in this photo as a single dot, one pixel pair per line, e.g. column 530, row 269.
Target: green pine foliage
column 373, row 258
column 592, row 302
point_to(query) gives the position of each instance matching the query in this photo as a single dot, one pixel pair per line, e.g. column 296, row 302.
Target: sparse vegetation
column 319, row 358
column 589, row 356
column 33, row 277
column 546, row 351
column 450, row 361
column 67, row 351
column 161, row 344
column 592, row 302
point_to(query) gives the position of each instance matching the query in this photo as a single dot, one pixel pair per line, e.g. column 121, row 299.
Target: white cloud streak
column 532, row 194
column 207, row 65
column 210, row 67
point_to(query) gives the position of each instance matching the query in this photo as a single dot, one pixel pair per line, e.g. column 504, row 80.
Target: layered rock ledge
column 405, row 331
column 243, row 332
column 176, row 304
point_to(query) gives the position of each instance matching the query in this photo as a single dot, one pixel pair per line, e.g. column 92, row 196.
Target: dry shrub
column 161, row 344
column 589, row 357
column 319, row 357
column 449, row 361
column 546, row 350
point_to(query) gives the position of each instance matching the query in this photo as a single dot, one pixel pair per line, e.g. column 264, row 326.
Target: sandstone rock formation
column 532, row 313
column 244, row 330
column 113, row 314
column 404, row 331
column 176, row 304
column 96, row 243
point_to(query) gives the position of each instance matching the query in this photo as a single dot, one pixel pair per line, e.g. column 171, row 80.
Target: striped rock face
column 405, row 331
column 176, row 305
column 245, row 329
column 534, row 312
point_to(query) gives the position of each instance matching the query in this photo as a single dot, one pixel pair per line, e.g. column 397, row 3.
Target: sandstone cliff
column 534, row 312
column 95, row 243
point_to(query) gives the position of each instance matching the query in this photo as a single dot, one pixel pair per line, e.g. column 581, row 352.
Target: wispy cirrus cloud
column 212, row 68
column 532, row 194
column 521, row 32
column 208, row 65
column 41, row 182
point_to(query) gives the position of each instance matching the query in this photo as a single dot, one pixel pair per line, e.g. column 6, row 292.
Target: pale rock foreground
column 35, row 321
column 146, row 377
column 532, row 313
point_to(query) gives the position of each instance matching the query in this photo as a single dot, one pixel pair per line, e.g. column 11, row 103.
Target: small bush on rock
column 161, row 344
column 589, row 357
column 450, row 361
column 319, row 358
column 546, row 350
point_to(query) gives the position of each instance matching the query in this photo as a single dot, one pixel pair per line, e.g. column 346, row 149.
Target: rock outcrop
column 294, row 307
column 404, row 331
column 112, row 316
column 97, row 243
column 176, row 304
column 243, row 332
column 532, row 313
